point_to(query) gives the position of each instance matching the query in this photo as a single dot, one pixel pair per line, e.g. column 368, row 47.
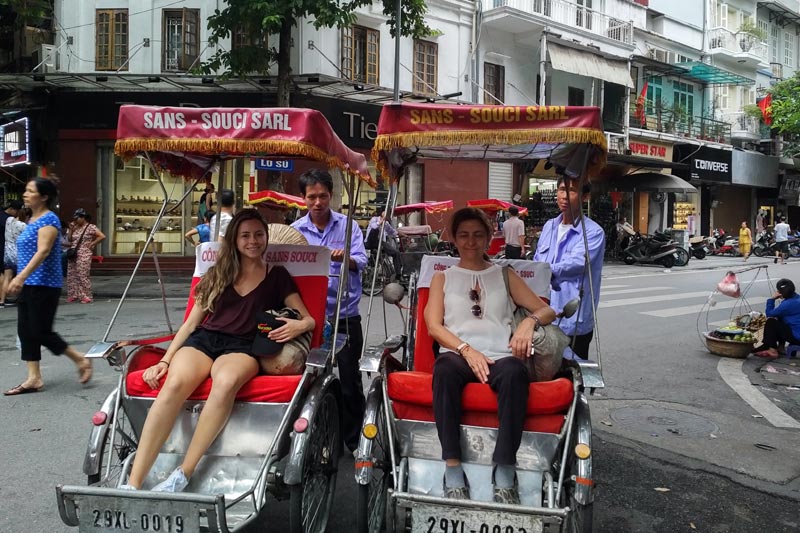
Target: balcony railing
column 741, row 122
column 736, row 43
column 574, row 15
column 681, row 125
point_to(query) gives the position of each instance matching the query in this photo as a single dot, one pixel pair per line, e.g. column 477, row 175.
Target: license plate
column 433, row 519
column 100, row 514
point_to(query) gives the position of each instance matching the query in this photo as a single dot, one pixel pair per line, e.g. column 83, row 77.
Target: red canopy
column 277, row 199
column 570, row 137
column 491, row 204
column 428, row 207
column 186, row 141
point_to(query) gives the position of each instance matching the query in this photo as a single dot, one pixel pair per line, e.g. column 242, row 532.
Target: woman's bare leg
column 188, row 368
column 228, row 374
column 5, row 279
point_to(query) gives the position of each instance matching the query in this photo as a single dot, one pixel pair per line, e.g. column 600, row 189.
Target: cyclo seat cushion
column 412, row 399
column 267, row 389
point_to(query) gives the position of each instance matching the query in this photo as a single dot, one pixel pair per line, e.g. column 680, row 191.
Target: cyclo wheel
column 372, row 498
column 114, row 449
column 366, row 280
column 581, row 516
column 311, row 500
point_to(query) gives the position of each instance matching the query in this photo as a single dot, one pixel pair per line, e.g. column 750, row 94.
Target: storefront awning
column 712, row 75
column 588, row 64
column 652, row 182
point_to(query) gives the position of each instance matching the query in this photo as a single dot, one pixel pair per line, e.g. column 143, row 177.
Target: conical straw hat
column 283, row 234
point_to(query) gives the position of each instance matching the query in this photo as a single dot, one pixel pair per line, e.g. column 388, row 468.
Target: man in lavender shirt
column 562, row 245
column 324, row 227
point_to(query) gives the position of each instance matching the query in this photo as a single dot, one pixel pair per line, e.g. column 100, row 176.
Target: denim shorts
column 215, row 343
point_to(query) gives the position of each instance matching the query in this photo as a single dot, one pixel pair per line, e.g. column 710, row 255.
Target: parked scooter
column 765, row 245
column 651, row 249
column 722, row 244
column 698, row 247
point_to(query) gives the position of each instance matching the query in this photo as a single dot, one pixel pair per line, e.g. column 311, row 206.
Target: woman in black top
column 215, row 341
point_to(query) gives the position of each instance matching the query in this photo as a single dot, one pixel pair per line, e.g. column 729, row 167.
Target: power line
column 129, row 15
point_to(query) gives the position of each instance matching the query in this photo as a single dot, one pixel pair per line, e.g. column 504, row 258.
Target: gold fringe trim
column 128, row 148
column 284, row 203
column 393, row 141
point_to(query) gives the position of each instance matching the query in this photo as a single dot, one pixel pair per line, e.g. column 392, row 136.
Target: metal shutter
column 501, row 181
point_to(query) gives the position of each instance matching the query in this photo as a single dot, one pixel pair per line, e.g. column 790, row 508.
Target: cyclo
column 283, row 436
column 398, row 464
column 491, row 206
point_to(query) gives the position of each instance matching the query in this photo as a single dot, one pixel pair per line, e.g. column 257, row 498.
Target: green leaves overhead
column 250, row 22
column 786, row 105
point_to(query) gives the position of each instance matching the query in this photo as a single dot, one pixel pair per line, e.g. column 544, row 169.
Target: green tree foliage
column 786, row 105
column 257, row 19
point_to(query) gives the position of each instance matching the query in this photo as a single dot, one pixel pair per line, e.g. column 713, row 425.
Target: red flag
column 766, row 109
column 640, row 111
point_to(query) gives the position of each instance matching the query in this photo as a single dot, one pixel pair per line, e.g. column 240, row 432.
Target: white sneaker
column 127, row 487
column 176, row 482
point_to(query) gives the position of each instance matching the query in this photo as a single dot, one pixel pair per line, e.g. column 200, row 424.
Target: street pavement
column 684, row 440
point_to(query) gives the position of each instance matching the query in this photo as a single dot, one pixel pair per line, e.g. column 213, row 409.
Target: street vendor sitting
column 783, row 320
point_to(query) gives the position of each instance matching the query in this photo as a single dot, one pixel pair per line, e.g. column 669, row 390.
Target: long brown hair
column 226, row 269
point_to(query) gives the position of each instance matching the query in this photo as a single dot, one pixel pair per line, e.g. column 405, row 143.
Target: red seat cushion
column 412, row 399
column 270, row 389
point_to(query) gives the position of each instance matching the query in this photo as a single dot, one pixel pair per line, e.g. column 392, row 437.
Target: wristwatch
column 535, row 319
column 461, row 347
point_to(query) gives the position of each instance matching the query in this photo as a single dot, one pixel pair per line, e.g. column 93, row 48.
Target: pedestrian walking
column 83, row 237
column 514, row 233
column 203, row 231
column 745, row 240
column 324, row 227
column 39, row 283
column 207, row 202
column 782, row 231
column 15, row 224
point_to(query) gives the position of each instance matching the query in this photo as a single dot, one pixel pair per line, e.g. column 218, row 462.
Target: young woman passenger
column 468, row 313
column 215, row 340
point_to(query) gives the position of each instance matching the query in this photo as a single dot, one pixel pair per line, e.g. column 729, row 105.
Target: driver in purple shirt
column 324, row 227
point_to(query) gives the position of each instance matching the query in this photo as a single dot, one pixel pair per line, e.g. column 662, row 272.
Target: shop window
column 361, row 54
column 426, row 63
column 181, row 38
column 494, row 84
column 575, row 96
column 243, row 37
column 111, row 39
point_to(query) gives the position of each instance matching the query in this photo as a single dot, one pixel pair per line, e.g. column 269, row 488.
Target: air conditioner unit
column 45, row 58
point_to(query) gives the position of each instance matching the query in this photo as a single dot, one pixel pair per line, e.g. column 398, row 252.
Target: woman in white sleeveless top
column 469, row 314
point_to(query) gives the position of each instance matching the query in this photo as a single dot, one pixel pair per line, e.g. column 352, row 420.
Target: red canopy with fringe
column 428, row 207
column 186, row 141
column 492, row 205
column 277, row 199
column 572, row 137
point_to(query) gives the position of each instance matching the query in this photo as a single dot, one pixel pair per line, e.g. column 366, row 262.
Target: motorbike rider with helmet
column 783, row 320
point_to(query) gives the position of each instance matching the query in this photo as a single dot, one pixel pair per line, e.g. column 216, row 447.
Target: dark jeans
column 508, row 377
column 580, row 346
column 390, row 249
column 350, row 378
column 36, row 311
column 776, row 332
column 513, row 252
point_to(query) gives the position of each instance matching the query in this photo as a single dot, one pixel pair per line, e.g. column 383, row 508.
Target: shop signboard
column 15, row 143
column 650, row 149
column 705, row 163
column 356, row 123
column 754, row 169
column 279, row 165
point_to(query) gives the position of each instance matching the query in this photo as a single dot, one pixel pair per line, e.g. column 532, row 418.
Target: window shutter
column 501, row 181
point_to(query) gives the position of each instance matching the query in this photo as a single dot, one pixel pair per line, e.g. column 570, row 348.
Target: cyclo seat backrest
column 308, row 266
column 411, row 391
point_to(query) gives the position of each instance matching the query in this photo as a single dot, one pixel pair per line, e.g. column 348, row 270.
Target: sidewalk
column 144, row 286
column 618, row 268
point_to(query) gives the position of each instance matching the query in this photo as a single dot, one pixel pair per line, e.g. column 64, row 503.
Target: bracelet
column 165, row 362
column 461, row 347
column 535, row 319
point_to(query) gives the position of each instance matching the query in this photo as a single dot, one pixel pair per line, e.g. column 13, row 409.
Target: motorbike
column 698, row 247
column 722, row 244
column 765, row 245
column 657, row 248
